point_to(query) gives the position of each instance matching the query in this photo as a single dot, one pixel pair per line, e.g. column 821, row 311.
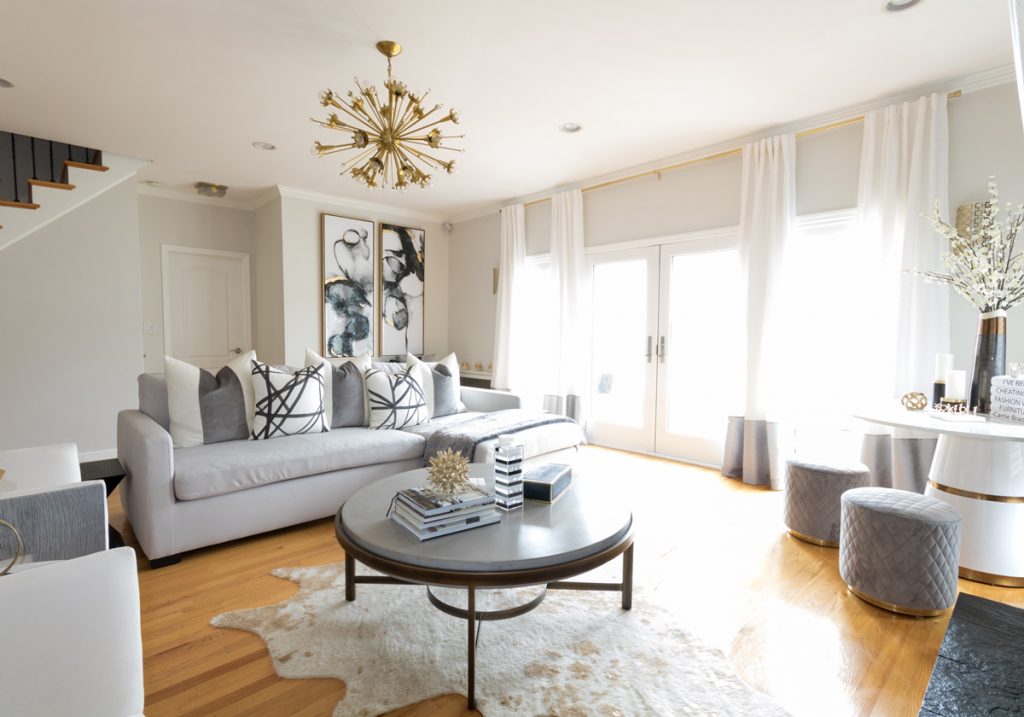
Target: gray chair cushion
column 219, row 468
column 900, row 549
column 56, row 524
column 813, row 491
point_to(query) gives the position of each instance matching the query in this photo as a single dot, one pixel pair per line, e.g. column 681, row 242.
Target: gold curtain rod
column 717, row 155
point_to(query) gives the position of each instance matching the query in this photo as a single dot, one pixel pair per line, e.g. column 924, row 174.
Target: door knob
column 236, row 350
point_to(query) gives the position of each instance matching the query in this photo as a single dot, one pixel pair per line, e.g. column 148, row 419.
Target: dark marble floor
column 980, row 667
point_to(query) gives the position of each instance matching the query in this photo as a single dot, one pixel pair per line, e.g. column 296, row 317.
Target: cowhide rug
column 577, row 654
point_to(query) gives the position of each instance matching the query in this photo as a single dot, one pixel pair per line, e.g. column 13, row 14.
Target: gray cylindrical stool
column 900, row 550
column 812, row 498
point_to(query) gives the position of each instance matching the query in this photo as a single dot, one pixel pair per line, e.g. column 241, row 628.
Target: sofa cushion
column 205, row 408
column 153, row 398
column 219, row 468
column 344, row 392
column 288, row 404
column 396, row 400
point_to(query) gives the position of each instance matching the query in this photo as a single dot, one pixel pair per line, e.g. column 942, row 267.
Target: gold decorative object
column 465, row 365
column 391, row 137
column 17, row 551
column 448, row 472
column 914, row 401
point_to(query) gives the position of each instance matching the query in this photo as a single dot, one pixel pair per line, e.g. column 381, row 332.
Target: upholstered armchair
column 69, row 609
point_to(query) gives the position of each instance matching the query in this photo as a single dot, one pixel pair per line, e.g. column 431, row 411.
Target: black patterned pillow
column 287, row 404
column 396, row 400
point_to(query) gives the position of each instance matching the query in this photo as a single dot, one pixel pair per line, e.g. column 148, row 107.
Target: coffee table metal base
column 472, row 615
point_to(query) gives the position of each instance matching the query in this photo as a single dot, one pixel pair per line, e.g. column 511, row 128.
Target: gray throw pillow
column 446, row 391
column 349, row 398
column 222, row 406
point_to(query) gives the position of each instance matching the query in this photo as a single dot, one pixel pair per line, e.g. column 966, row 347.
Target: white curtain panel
column 570, row 367
column 904, row 171
column 507, row 337
column 1016, row 32
column 757, row 445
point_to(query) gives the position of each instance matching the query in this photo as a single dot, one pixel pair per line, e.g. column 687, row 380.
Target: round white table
column 978, row 468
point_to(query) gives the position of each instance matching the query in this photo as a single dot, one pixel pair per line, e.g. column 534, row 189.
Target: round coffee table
column 540, row 544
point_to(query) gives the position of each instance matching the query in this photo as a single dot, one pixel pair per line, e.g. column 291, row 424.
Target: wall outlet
column 149, row 327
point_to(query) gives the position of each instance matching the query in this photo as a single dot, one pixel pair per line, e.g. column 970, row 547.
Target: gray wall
column 985, row 138
column 182, row 223
column 70, row 322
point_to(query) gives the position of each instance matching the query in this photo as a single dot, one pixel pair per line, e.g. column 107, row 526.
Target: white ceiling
column 190, row 85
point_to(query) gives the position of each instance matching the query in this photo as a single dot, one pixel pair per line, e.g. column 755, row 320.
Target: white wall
column 985, row 138
column 71, row 326
column 182, row 223
column 303, row 273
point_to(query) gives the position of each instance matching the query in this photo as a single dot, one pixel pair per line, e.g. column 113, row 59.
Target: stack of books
column 1007, row 399
column 427, row 515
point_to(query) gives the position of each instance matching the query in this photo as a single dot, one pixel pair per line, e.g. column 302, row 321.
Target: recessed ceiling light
column 153, row 183
column 5, row 84
column 897, row 5
column 263, row 145
column 570, row 127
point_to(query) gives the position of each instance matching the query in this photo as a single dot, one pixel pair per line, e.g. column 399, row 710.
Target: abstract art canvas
column 401, row 297
column 348, row 264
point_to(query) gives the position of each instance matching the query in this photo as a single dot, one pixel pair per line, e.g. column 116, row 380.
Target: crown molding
column 966, row 84
column 165, row 193
column 358, row 205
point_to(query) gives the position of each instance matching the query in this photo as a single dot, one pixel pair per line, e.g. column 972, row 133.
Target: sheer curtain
column 508, row 338
column 904, row 171
column 569, row 368
column 754, row 443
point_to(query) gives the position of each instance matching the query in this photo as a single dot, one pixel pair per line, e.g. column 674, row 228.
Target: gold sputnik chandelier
column 392, row 140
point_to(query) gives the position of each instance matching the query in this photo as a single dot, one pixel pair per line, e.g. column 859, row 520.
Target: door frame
column 165, row 252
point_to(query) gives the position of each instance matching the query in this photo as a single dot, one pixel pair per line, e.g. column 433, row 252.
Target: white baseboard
column 97, row 455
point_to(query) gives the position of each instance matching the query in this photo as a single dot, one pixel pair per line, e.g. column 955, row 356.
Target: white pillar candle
column 943, row 365
column 955, row 384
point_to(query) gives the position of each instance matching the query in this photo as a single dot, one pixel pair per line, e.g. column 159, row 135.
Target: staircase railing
column 24, row 158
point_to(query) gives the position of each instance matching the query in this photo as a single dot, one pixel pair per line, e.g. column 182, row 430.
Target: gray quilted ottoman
column 900, row 550
column 812, row 499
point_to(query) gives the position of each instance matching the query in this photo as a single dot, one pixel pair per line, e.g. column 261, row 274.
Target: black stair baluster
column 7, row 189
column 22, row 166
column 42, row 168
column 59, row 152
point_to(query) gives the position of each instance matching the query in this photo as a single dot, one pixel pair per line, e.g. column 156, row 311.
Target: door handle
column 237, row 350
column 650, row 341
column 661, row 349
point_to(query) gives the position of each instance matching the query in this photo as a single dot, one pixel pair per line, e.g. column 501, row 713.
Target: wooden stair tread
column 50, row 185
column 85, row 165
column 19, row 205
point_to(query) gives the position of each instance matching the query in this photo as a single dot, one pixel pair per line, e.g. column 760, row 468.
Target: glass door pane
column 701, row 365
column 624, row 311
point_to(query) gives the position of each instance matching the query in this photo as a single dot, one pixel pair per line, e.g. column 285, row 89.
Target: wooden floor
column 715, row 549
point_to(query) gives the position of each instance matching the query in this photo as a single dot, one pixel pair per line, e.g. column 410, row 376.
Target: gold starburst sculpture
column 393, row 138
column 448, row 472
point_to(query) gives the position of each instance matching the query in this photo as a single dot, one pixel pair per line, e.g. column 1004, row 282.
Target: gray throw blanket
column 466, row 436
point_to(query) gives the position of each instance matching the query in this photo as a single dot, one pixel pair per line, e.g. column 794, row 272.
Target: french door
column 666, row 347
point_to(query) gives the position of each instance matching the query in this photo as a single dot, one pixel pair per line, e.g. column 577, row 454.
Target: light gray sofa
column 181, row 499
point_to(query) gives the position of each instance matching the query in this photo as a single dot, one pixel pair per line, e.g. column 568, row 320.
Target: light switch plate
column 149, row 327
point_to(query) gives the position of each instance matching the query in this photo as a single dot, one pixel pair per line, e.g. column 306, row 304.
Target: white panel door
column 623, row 373
column 207, row 318
column 700, row 348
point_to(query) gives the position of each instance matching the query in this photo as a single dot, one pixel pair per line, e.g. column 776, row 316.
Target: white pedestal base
column 984, row 480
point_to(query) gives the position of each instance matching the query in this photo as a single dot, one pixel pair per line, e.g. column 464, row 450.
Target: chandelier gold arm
column 390, row 134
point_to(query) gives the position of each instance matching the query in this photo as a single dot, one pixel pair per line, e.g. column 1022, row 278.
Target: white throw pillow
column 396, row 400
column 191, row 396
column 362, row 362
column 287, row 404
column 422, row 368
